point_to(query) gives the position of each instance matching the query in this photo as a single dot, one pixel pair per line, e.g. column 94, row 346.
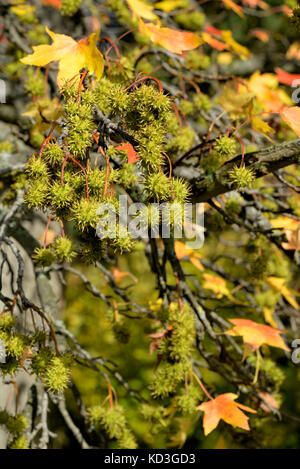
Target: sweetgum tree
column 133, row 341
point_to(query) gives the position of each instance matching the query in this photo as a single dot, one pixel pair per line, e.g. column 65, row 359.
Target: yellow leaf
column 240, row 50
column 268, row 316
column 277, row 284
column 261, row 126
column 169, row 5
column 22, row 10
column 72, row 56
column 285, row 222
column 142, row 10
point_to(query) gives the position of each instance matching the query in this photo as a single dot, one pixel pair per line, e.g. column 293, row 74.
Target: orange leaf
column 132, row 155
column 53, row 3
column 119, row 275
column 291, row 116
column 233, row 6
column 182, row 250
column 213, row 42
column 255, row 334
column 285, row 77
column 223, row 407
column 171, row 39
column 72, row 56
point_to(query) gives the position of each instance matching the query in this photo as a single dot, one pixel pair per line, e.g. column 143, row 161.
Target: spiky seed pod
column 17, row 424
column 14, row 345
column 202, row 102
column 57, row 375
column 7, row 323
column 53, row 154
column 69, row 7
column 60, row 195
column 63, row 249
column 167, row 377
column 123, row 241
column 36, row 194
column 35, row 83
column 43, row 257
column 4, row 416
column 181, row 190
column 225, row 147
column 187, row 401
column 182, row 141
column 241, row 176
column 41, row 360
column 157, row 187
column 10, row 367
column 36, row 168
column 84, row 213
column 121, row 333
column 20, row 442
column 114, row 422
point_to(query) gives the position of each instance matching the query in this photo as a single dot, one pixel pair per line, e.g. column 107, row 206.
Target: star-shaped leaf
column 223, row 407
column 72, row 56
column 255, row 334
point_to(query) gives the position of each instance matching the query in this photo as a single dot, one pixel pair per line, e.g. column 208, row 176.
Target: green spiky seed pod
column 233, row 206
column 181, row 190
column 20, row 442
column 36, row 194
column 122, row 242
column 43, row 257
column 202, row 102
column 36, row 168
column 187, row 107
column 53, row 154
column 14, row 345
column 35, row 83
column 114, row 423
column 167, row 378
column 4, row 416
column 182, row 141
column 121, row 333
column 241, row 176
column 57, row 375
column 225, row 147
column 41, row 360
column 157, row 187
column 64, row 249
column 187, row 401
column 10, row 367
column 17, row 424
column 192, row 21
column 69, row 7
column 60, row 195
column 84, row 213
column 7, row 323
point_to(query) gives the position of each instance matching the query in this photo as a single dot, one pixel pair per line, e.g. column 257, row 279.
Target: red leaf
column 132, row 155
column 285, row 77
